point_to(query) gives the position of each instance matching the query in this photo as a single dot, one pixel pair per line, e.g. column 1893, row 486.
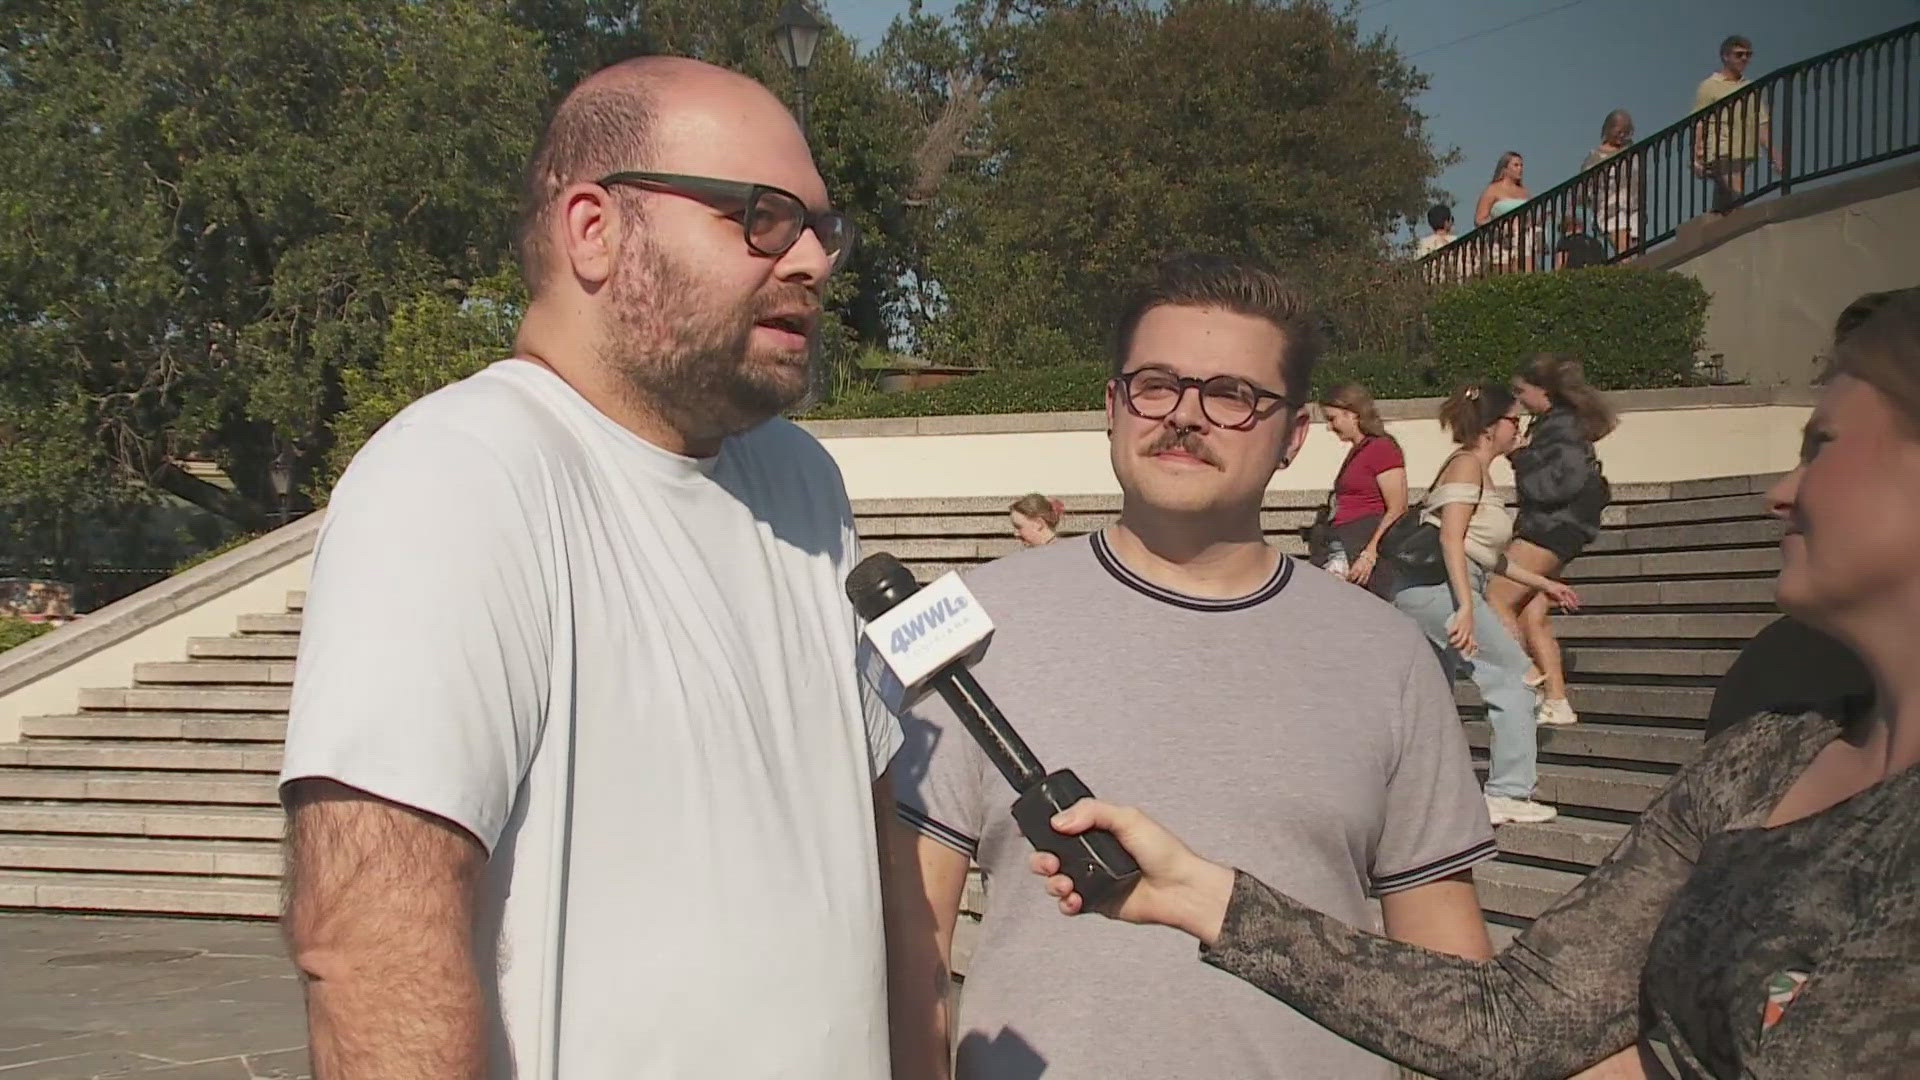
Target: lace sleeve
column 1562, row 997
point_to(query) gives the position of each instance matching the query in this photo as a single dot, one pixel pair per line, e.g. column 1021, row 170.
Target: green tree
column 1110, row 144
column 210, row 211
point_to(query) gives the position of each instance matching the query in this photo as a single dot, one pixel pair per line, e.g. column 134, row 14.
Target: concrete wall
column 1781, row 270
column 45, row 676
column 1664, row 435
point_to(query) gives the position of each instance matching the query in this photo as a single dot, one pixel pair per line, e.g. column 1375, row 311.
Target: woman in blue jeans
column 1475, row 529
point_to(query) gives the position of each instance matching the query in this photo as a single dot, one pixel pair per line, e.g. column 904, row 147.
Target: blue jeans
column 1498, row 669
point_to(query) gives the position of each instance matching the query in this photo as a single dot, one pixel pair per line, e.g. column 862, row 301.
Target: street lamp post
column 280, row 475
column 798, row 33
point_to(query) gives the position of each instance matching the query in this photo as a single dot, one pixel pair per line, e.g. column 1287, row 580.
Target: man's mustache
column 1186, row 442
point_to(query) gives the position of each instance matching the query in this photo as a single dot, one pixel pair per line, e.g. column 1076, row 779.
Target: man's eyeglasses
column 772, row 218
column 1228, row 401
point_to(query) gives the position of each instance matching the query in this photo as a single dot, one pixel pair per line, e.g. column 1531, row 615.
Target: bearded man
column 581, row 781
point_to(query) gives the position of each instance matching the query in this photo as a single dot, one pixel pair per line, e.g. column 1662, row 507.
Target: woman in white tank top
column 1475, row 528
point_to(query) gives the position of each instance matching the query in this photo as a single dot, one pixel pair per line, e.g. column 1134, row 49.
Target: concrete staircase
column 159, row 796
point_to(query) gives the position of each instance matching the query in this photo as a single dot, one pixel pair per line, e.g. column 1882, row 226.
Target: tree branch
column 216, row 500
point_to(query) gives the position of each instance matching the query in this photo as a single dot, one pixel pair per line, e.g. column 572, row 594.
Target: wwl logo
column 924, row 623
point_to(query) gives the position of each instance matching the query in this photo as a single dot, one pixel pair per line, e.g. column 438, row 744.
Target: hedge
column 1067, row 388
column 15, row 630
column 1630, row 328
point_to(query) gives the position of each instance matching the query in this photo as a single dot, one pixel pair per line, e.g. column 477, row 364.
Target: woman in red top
column 1370, row 490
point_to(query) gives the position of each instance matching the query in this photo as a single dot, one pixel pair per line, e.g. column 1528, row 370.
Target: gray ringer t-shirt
column 1303, row 733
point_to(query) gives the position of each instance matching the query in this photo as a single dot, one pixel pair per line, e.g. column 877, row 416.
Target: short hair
column 1880, row 345
column 1242, row 286
column 1439, row 216
column 1735, row 41
column 595, row 130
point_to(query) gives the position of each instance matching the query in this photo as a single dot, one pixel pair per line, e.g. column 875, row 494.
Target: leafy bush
column 1630, row 328
column 234, row 541
column 434, row 339
column 15, row 630
column 1062, row 388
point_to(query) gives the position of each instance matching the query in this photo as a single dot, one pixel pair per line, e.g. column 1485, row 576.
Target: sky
column 1538, row 76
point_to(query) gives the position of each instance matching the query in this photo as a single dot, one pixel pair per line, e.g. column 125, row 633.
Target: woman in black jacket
column 1562, row 492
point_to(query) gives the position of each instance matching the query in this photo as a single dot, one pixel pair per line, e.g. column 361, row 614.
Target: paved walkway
column 158, row 999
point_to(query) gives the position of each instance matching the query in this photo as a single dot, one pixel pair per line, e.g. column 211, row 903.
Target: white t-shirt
column 629, row 674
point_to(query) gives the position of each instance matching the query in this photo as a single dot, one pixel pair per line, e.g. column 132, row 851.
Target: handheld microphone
column 923, row 639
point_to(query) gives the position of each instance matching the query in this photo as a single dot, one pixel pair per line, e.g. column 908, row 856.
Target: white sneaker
column 1555, row 712
column 1501, row 810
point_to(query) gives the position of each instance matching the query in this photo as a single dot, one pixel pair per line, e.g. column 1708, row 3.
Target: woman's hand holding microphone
column 1177, row 888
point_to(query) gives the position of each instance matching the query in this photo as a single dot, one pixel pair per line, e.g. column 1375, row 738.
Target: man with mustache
column 1291, row 718
column 581, row 781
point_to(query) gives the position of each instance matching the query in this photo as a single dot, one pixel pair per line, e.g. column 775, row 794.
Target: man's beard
column 686, row 357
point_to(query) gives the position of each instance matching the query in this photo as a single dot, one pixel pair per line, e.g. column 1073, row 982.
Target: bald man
column 581, row 782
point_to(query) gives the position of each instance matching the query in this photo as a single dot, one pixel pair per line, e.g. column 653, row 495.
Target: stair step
column 1723, row 626
column 1628, row 742
column 143, row 819
column 1751, row 561
column 1520, row 890
column 1599, row 660
column 147, row 755
column 297, row 600
column 282, row 622
column 219, row 858
column 1746, row 592
column 1724, row 534
column 1672, row 511
column 241, row 789
column 158, row 894
column 255, row 647
column 1598, row 787
column 1666, row 702
column 1565, row 839
column 192, row 727
column 242, row 672
column 192, row 699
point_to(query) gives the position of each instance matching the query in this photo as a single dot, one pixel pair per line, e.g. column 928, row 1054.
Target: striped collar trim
column 1102, row 552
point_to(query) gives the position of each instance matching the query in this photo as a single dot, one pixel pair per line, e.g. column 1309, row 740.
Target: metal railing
column 1856, row 106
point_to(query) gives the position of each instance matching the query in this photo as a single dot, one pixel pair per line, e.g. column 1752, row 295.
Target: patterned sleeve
column 1560, row 998
column 1858, row 1014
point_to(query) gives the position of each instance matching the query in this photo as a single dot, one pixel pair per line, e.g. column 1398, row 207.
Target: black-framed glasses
column 772, row 218
column 1228, row 401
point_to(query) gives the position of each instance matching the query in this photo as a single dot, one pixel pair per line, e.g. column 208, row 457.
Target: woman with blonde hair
column 1761, row 920
column 1511, row 248
column 1615, row 193
column 1370, row 489
column 1035, row 517
column 1562, row 494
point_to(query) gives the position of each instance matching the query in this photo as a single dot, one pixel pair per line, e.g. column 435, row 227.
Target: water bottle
column 1337, row 559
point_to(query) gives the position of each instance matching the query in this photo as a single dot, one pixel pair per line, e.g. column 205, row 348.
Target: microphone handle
column 1102, row 870
column 1002, row 745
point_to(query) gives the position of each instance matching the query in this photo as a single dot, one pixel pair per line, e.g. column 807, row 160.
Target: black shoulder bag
column 1412, row 544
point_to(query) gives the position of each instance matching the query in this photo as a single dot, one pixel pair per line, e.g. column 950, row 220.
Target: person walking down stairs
column 1562, row 492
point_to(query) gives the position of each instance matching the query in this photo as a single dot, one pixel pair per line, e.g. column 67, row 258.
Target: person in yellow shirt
column 1724, row 142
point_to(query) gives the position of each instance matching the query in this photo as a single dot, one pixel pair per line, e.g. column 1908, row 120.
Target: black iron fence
column 1847, row 109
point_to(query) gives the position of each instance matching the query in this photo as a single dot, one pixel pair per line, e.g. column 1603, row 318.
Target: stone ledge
column 1686, row 397
column 124, row 618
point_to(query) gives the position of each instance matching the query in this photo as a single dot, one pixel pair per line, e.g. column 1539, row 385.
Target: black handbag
column 1412, row 544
